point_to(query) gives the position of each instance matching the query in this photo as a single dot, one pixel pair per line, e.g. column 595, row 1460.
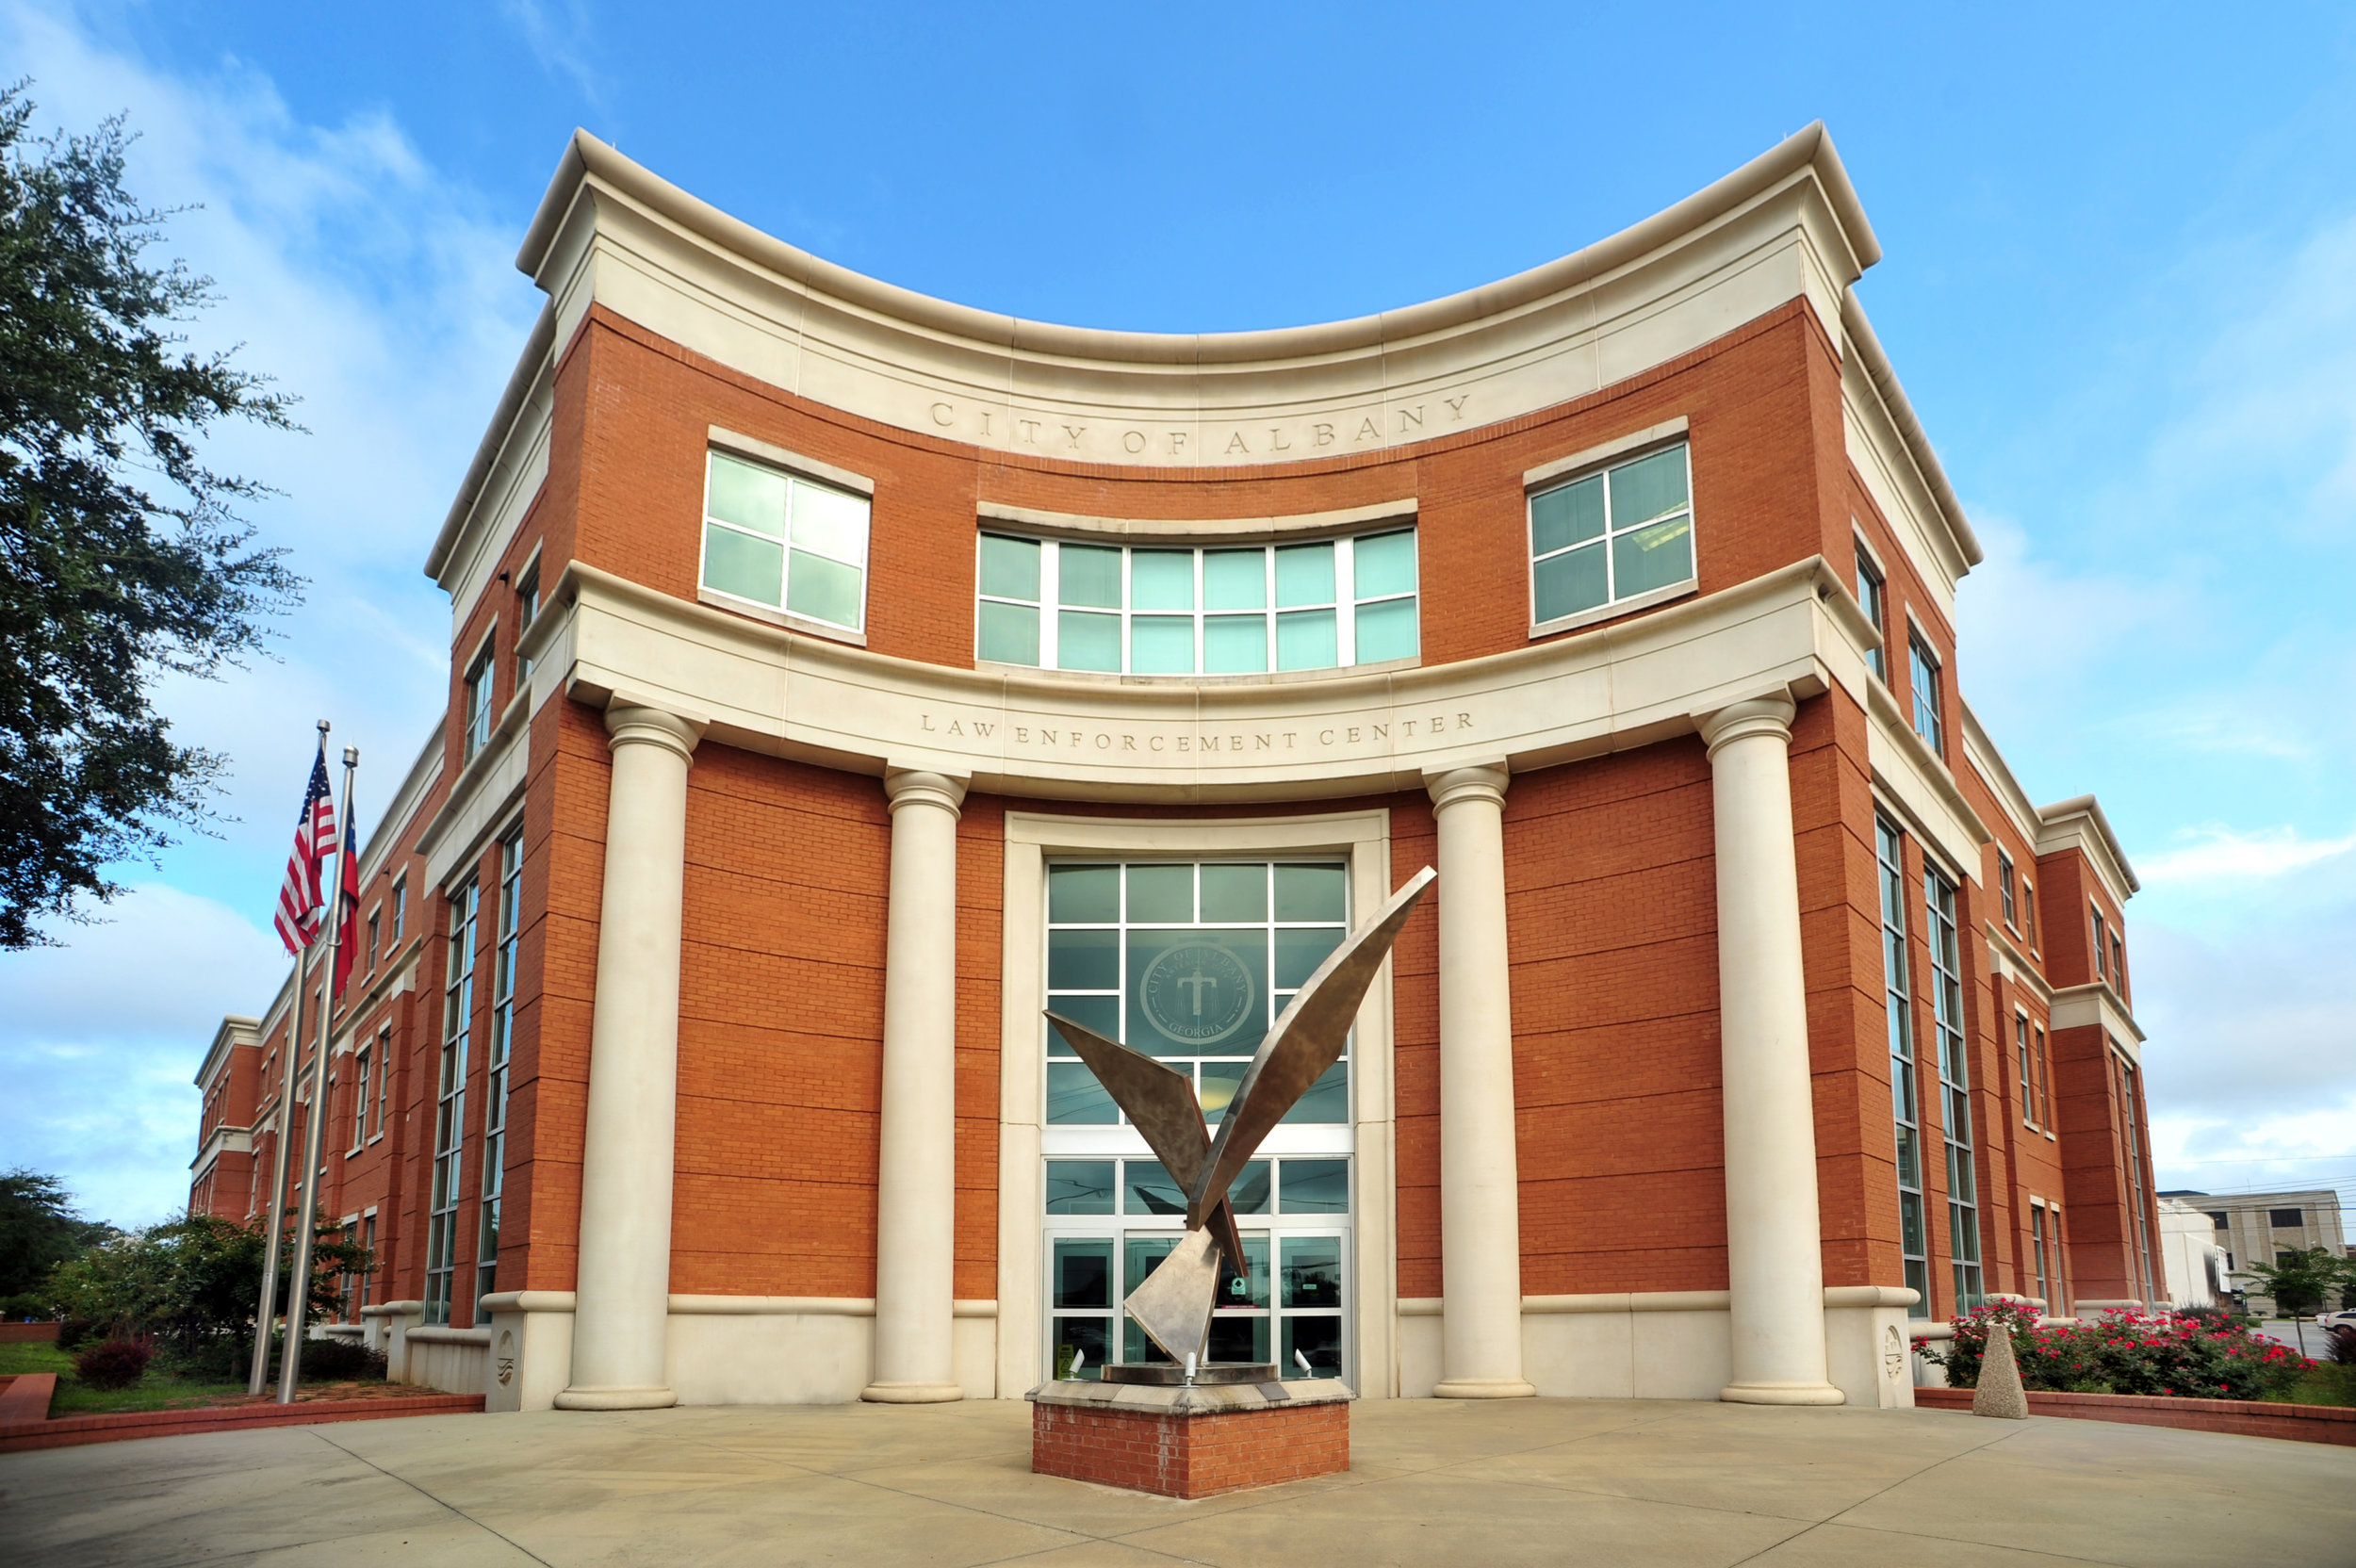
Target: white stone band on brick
column 1481, row 1228
column 916, row 1170
column 622, row 1295
column 1775, row 1272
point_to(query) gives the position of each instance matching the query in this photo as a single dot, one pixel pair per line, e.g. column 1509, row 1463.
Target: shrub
column 116, row 1363
column 2123, row 1353
column 2343, row 1338
column 337, row 1361
column 74, row 1332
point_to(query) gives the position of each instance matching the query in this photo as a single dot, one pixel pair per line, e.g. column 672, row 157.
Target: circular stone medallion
column 1197, row 994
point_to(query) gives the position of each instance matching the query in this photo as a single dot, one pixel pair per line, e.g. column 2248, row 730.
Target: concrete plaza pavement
column 1557, row 1481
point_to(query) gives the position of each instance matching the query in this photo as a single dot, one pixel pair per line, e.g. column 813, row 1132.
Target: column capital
column 918, row 787
column 626, row 725
column 1741, row 721
column 1457, row 785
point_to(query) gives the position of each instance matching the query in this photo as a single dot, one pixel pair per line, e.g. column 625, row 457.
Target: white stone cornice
column 1790, row 633
column 2013, row 964
column 1915, row 782
column 480, row 796
column 2080, row 823
column 2077, row 1007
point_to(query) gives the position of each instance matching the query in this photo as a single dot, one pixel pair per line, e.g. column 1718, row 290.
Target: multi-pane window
column 2118, row 963
column 2044, row 1078
column 1610, row 537
column 361, row 1094
column 2286, row 1219
column 2028, row 912
column 1190, row 963
column 367, row 1275
column 375, row 916
column 785, row 542
column 527, row 612
column 441, row 1231
column 401, row 908
column 383, row 1079
column 1215, row 610
column 478, row 704
column 1872, row 596
column 2028, row 1067
column 1914, row 1235
column 1928, row 722
column 494, row 1068
column 1955, row 1079
column 2132, row 1131
column 2036, row 1252
column 2003, row 889
column 2101, row 937
column 2061, row 1262
column 1285, row 1307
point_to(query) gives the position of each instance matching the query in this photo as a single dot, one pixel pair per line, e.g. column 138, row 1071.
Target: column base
column 654, row 1396
column 1484, row 1388
column 1782, row 1394
column 911, row 1394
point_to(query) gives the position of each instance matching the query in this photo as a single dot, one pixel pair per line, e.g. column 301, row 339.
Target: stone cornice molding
column 236, row 1029
column 1914, row 781
column 1987, row 761
column 2080, row 823
column 1790, row 632
column 2097, row 1004
column 2014, row 964
column 479, row 797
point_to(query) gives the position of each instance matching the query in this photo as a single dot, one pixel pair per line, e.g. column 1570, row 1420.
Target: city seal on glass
column 1199, row 993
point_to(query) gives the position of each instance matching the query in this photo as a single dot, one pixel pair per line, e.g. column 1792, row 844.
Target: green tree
column 39, row 1229
column 121, row 556
column 192, row 1282
column 2301, row 1283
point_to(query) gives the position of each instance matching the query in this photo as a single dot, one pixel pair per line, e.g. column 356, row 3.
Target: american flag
column 300, row 898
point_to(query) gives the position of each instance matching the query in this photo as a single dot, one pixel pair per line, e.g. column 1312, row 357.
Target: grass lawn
column 157, row 1390
column 2330, row 1383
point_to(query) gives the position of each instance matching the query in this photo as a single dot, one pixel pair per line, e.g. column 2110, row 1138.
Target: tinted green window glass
column 1147, row 1188
column 747, row 495
column 1299, row 953
column 1315, row 1187
column 1383, row 564
column 1235, row 892
column 1010, row 567
column 1010, row 632
column 1161, row 579
column 1653, row 557
column 1240, row 1336
column 1327, row 1100
column 1088, row 895
column 1085, row 641
column 1197, row 992
column 1079, row 1187
column 1567, row 515
column 1083, row 960
column 1309, row 892
column 1217, row 1083
column 1305, row 641
column 1235, row 645
column 1566, row 584
column 1084, row 1272
column 1076, row 1098
column 824, row 590
column 830, row 522
column 1304, row 575
column 1312, row 1272
column 1647, row 487
column 1315, row 1340
column 1161, row 644
column 1386, row 630
column 1090, row 573
column 738, row 563
column 1161, row 892
column 1249, row 1288
column 1100, row 1012
column 1248, row 1193
column 1234, row 579
column 1086, row 1341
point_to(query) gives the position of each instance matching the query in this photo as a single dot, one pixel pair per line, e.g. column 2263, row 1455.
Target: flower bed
column 2122, row 1353
column 2249, row 1418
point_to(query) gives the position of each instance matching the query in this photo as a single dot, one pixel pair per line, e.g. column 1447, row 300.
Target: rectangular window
column 374, row 915
column 1913, row 1234
column 2004, row 891
column 383, row 1079
column 1190, row 963
column 2287, row 1219
column 2028, row 912
column 1610, row 536
column 1926, row 709
column 2118, row 963
column 362, row 1093
column 2061, row 1263
column 527, row 612
column 2044, row 1079
column 2101, row 932
column 2028, row 1070
column 785, row 542
column 1872, row 596
column 2132, row 1131
column 1181, row 610
column 478, row 710
column 2036, row 1250
column 2221, row 1221
column 1955, row 1079
column 441, row 1234
column 367, row 1239
column 401, row 908
column 494, row 1071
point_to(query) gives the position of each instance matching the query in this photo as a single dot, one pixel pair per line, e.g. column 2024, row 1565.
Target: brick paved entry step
column 1190, row 1442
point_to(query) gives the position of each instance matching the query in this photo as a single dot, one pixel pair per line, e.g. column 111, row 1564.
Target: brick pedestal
column 1190, row 1442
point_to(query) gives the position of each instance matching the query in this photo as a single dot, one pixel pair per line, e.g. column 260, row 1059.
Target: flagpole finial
column 352, row 756
column 324, row 726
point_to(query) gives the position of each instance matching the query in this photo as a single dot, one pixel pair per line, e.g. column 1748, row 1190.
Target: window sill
column 1616, row 608
column 1269, row 678
column 753, row 611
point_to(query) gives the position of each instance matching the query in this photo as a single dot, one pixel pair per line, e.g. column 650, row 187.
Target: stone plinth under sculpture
column 1192, row 1427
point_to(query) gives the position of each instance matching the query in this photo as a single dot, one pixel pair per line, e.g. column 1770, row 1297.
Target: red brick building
column 839, row 677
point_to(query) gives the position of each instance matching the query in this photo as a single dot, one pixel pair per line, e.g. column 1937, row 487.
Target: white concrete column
column 916, row 1176
column 622, row 1295
column 1481, row 1228
column 1775, row 1272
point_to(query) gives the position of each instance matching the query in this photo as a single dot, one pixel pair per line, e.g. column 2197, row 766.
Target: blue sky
column 2119, row 285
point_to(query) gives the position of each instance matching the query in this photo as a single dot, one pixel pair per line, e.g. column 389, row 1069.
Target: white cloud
column 2222, row 853
column 557, row 37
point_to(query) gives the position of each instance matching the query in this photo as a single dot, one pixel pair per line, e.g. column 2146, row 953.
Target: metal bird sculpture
column 1173, row 1303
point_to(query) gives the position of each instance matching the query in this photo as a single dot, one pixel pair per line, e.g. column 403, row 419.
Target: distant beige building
column 2192, row 1264
column 2265, row 1226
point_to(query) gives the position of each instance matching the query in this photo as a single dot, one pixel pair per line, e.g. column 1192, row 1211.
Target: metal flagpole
column 265, row 1312
column 315, row 1125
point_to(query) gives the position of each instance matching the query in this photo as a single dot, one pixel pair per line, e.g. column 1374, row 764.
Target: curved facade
column 839, row 677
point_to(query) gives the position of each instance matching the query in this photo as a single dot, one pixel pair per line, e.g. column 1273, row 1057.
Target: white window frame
column 1869, row 565
column 2005, row 880
column 1613, row 606
column 1921, row 655
column 1345, row 605
column 2024, row 1046
column 383, row 1079
column 363, row 1091
column 481, row 681
column 795, row 470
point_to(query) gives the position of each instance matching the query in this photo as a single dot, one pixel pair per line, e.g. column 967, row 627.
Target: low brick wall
column 30, row 1333
column 27, row 1396
column 2249, row 1417
column 1189, row 1455
column 73, row 1430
